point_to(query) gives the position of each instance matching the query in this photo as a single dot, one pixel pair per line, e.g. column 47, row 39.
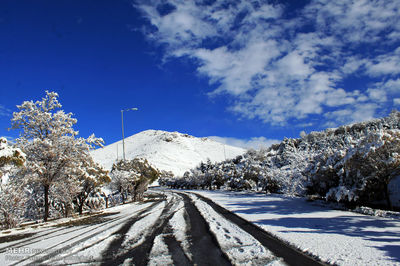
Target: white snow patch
column 136, row 235
column 180, row 230
column 159, row 254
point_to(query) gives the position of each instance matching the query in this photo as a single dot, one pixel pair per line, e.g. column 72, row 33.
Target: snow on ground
column 52, row 243
column 335, row 236
column 159, row 254
column 170, row 151
column 137, row 233
column 180, row 229
column 237, row 244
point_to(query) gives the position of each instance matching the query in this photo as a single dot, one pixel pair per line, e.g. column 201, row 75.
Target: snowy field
column 337, row 237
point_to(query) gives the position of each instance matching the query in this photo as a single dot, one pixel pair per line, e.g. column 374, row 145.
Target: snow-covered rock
column 169, row 151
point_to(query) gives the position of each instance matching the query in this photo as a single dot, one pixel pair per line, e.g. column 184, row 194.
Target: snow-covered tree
column 133, row 177
column 61, row 196
column 90, row 176
column 12, row 196
column 122, row 182
column 350, row 163
column 165, row 176
column 367, row 169
column 51, row 145
column 12, row 203
column 9, row 156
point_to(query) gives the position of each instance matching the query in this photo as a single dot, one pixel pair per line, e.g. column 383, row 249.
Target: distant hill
column 170, row 151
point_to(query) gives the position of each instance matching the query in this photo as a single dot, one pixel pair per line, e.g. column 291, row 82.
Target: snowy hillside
column 354, row 164
column 170, row 151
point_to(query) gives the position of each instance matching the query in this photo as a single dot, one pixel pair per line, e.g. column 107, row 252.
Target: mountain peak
column 170, row 151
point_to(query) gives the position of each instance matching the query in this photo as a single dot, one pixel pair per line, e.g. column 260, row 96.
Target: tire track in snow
column 37, row 235
column 57, row 252
column 177, row 253
column 63, row 249
column 205, row 248
column 112, row 236
column 139, row 255
column 160, row 254
column 290, row 255
column 116, row 247
column 241, row 247
column 39, row 238
column 176, row 236
column 170, row 230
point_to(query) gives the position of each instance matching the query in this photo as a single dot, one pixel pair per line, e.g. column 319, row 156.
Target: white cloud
column 254, row 143
column 388, row 64
column 352, row 64
column 184, row 26
column 360, row 21
column 352, row 114
column 382, row 92
column 235, row 70
column 364, row 112
column 293, row 64
column 4, row 111
column 391, row 85
column 396, row 101
column 278, row 69
column 377, row 95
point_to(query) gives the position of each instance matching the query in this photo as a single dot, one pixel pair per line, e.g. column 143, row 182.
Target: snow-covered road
column 169, row 228
column 335, row 236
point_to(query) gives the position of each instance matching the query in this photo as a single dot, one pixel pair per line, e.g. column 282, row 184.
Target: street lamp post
column 224, row 152
column 122, row 122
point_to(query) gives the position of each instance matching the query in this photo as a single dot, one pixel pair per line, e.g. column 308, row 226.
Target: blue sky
column 250, row 72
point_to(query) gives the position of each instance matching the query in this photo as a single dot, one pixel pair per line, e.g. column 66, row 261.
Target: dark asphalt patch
column 205, row 248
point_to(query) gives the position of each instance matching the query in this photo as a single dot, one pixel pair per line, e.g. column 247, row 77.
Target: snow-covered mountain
column 170, row 151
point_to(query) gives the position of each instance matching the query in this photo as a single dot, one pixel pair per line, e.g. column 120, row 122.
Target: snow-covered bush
column 12, row 203
column 131, row 178
column 12, row 196
column 352, row 163
column 9, row 156
column 165, row 176
column 89, row 176
column 95, row 201
column 367, row 169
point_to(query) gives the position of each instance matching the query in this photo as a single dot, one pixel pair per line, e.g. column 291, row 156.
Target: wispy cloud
column 4, row 111
column 279, row 68
column 10, row 139
column 254, row 143
column 352, row 114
